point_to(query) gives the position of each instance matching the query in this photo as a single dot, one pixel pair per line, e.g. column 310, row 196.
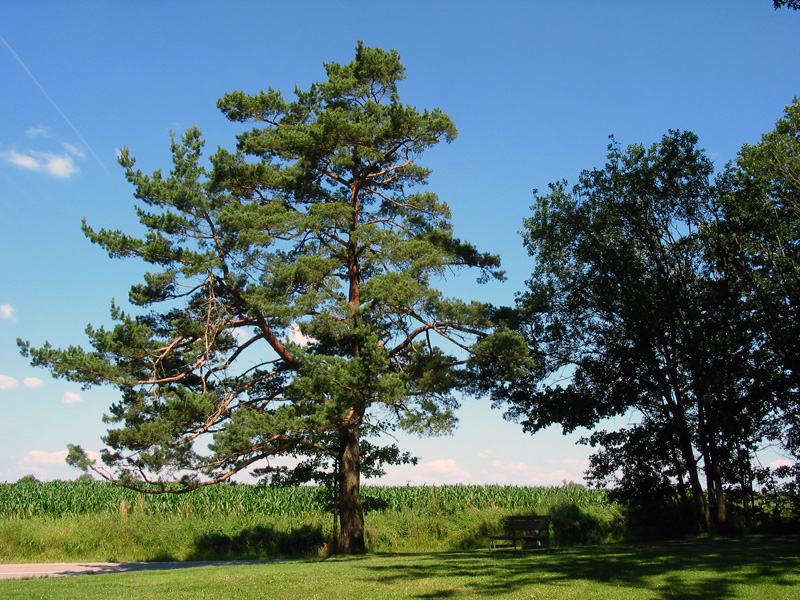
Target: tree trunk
column 686, row 449
column 351, row 513
column 701, row 506
column 681, row 476
column 709, row 450
column 715, row 483
column 722, row 505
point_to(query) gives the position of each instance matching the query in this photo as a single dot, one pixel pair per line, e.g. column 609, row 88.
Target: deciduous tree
column 625, row 301
column 757, row 238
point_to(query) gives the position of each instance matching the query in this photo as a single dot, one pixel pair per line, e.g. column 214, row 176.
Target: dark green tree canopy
column 291, row 309
column 639, row 302
column 757, row 238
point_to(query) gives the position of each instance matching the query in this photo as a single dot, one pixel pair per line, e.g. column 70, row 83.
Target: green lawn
column 758, row 567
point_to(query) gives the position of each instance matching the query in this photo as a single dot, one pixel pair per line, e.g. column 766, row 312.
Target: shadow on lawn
column 733, row 561
column 259, row 542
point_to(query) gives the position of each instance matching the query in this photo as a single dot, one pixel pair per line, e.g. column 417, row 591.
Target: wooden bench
column 530, row 531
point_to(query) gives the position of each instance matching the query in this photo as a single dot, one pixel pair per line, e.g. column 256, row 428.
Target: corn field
column 72, row 498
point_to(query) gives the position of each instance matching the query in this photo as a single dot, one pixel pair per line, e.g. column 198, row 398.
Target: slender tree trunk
column 708, row 448
column 681, row 472
column 711, row 489
column 715, row 487
column 716, row 494
column 701, row 506
column 747, row 491
column 698, row 496
column 686, row 448
column 351, row 512
column 722, row 505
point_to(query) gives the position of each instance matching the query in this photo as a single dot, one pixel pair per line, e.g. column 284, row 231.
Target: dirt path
column 31, row 570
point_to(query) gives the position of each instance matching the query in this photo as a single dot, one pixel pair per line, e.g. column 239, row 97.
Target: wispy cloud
column 519, row 467
column 296, row 336
column 54, row 165
column 7, row 382
column 40, row 457
column 74, row 150
column 43, row 463
column 71, row 398
column 39, row 131
column 554, row 472
column 782, row 462
column 440, row 471
column 60, row 112
column 574, row 463
column 240, row 334
column 444, row 468
column 7, row 313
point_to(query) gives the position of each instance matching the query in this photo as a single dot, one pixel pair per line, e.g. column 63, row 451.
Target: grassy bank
column 70, row 521
column 706, row 569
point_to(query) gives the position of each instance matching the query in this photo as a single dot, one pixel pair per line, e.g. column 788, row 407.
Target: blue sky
column 535, row 89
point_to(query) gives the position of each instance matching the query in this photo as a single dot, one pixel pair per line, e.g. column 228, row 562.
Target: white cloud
column 486, row 453
column 519, row 467
column 71, row 398
column 574, row 463
column 780, row 463
column 40, row 457
column 61, row 167
column 297, row 337
column 443, row 471
column 440, row 465
column 74, row 150
column 240, row 334
column 37, row 131
column 49, row 464
column 522, row 473
column 33, row 382
column 43, row 464
column 7, row 313
column 444, row 467
column 507, row 473
column 7, row 382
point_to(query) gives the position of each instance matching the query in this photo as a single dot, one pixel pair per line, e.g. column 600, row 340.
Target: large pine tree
column 290, row 310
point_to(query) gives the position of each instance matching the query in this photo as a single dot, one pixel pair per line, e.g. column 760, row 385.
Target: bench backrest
column 527, row 523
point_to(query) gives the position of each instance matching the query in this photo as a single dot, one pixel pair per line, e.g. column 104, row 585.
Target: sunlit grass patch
column 709, row 569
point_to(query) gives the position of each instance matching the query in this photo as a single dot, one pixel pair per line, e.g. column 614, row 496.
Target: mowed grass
column 708, row 569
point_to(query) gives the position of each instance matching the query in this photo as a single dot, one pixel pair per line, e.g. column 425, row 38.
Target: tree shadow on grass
column 666, row 569
column 259, row 542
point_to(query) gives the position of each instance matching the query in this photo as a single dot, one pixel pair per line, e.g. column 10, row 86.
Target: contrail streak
column 46, row 95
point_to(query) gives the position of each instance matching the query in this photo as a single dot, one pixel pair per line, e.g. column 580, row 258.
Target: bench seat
column 532, row 532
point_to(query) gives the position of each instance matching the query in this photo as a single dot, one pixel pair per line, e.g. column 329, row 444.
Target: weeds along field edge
column 84, row 520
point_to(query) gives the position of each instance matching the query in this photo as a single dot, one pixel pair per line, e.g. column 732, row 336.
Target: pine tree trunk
column 351, row 513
